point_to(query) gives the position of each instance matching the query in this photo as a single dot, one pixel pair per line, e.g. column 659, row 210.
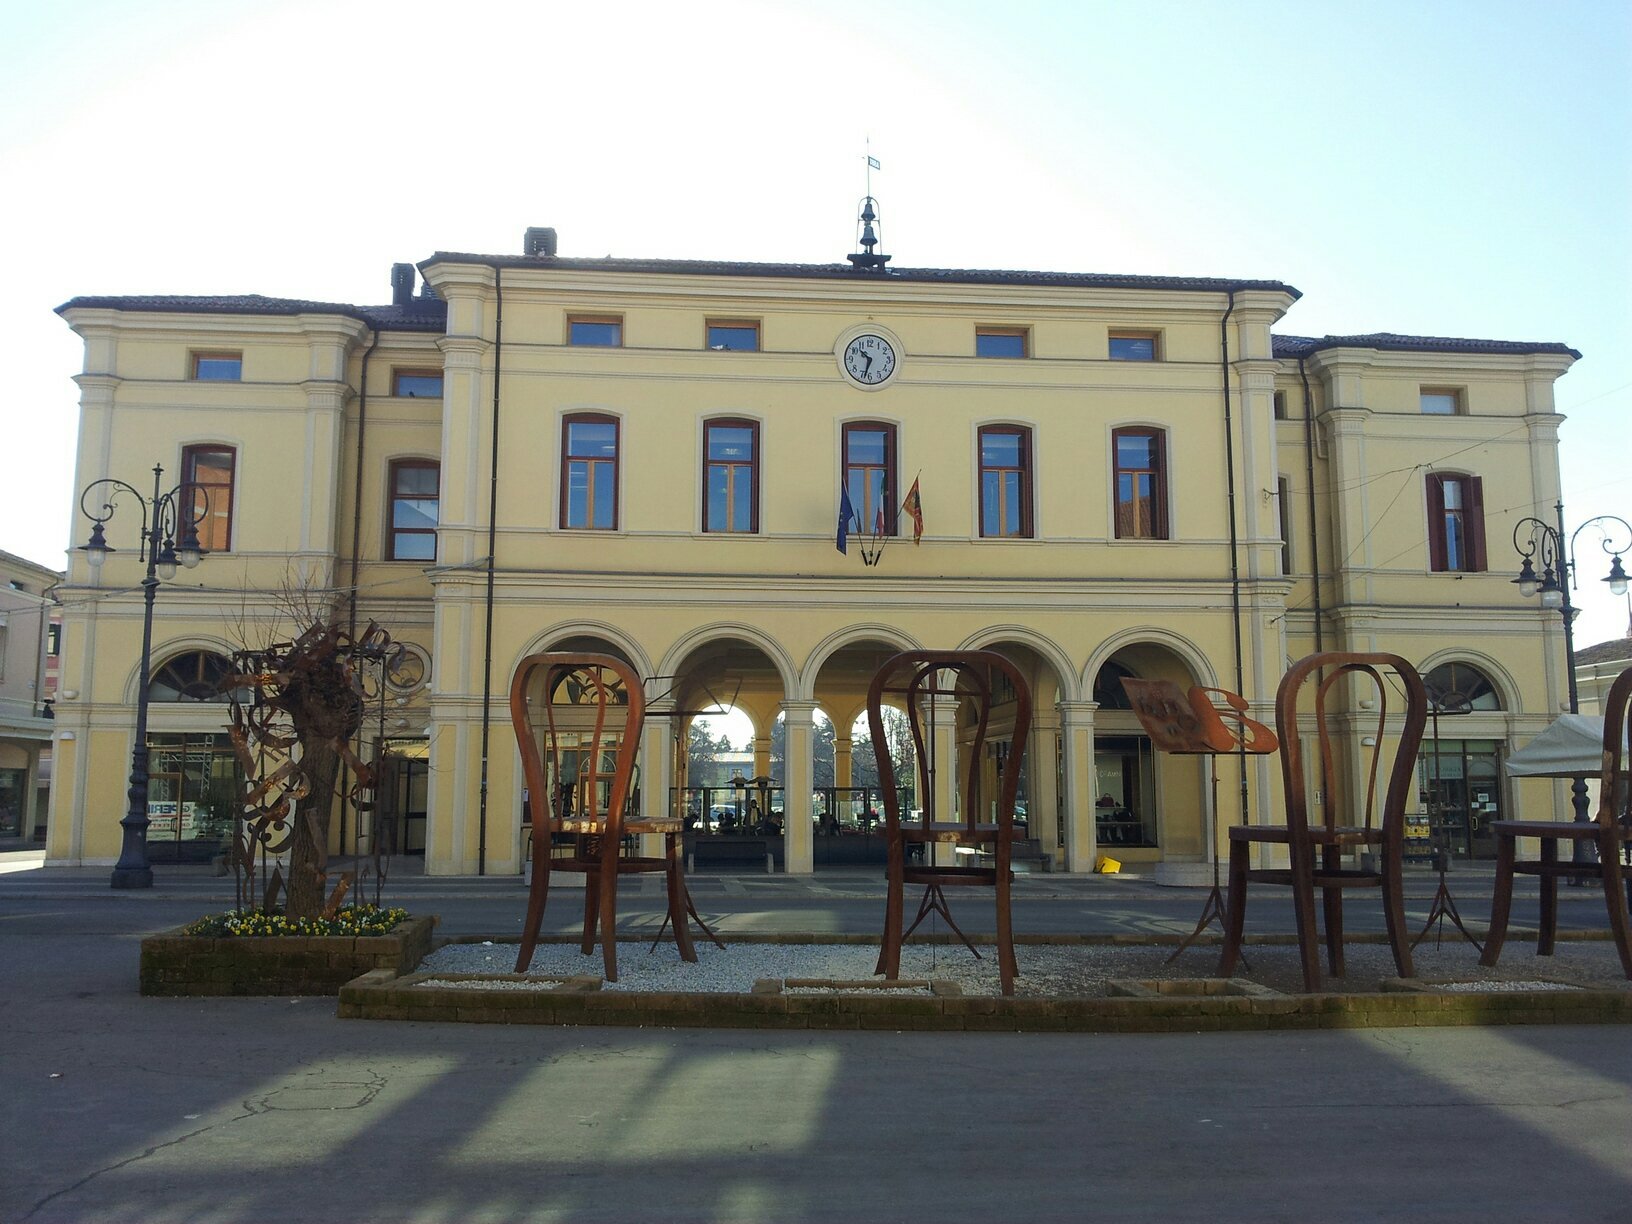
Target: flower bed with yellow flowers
column 249, row 952
column 350, row 920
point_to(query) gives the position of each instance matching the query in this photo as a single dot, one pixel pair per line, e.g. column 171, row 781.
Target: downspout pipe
column 356, row 547
column 492, row 537
column 1314, row 534
column 1235, row 545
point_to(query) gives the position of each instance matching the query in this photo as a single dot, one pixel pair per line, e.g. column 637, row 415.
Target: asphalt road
column 114, row 1107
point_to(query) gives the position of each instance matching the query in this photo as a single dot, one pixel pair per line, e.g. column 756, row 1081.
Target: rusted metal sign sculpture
column 1194, row 722
column 921, row 678
column 1201, row 721
column 295, row 709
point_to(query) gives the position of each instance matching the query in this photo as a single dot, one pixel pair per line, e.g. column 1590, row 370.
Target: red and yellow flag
column 914, row 507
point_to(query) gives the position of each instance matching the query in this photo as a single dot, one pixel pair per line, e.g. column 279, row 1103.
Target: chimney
column 539, row 240
column 402, row 284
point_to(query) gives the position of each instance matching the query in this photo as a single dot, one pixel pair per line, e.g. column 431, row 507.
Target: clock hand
column 868, row 358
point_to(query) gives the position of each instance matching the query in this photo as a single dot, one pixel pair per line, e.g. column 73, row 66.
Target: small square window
column 1280, row 405
column 417, row 384
column 1001, row 342
column 600, row 332
column 733, row 337
column 1133, row 346
column 1441, row 401
column 218, row 367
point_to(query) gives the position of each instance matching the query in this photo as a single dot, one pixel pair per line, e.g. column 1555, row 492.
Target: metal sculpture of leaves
column 285, row 700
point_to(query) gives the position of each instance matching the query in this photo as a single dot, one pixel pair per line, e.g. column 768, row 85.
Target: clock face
column 869, row 359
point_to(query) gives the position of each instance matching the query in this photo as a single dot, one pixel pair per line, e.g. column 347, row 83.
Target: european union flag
column 847, row 512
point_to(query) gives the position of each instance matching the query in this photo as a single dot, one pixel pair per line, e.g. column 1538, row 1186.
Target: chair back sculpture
column 1610, row 834
column 579, row 768
column 923, row 680
column 1357, row 815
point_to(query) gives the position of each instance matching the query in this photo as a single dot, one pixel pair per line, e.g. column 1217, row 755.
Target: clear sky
column 1450, row 168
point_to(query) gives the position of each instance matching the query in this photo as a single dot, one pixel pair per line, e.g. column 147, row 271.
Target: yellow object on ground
column 1107, row 865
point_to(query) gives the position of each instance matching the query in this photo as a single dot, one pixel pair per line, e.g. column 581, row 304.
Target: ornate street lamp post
column 169, row 538
column 1535, row 540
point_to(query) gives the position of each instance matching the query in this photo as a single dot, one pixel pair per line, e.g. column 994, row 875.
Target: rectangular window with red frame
column 1140, row 481
column 869, row 475
column 416, row 503
column 1456, row 523
column 731, row 476
column 1005, row 481
column 589, row 472
column 211, row 470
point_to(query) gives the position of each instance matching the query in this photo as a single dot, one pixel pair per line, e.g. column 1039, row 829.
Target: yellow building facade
column 1118, row 476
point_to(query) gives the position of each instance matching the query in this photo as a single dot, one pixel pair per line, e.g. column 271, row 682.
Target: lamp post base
column 131, row 877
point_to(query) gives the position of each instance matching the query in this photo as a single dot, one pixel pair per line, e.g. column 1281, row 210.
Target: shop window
column 194, row 782
column 1124, row 791
column 415, row 509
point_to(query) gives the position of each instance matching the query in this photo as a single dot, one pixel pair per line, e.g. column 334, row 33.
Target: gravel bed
column 491, row 984
column 1051, row 971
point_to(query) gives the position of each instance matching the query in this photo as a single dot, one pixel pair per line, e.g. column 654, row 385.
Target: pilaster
column 799, row 848
column 1077, row 732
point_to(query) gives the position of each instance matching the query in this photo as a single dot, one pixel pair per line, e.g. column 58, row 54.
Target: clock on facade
column 869, row 359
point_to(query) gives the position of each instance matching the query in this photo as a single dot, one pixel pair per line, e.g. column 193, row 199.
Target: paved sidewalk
column 840, row 901
column 119, row 1108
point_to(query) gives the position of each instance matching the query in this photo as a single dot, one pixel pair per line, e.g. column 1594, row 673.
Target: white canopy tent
column 1571, row 747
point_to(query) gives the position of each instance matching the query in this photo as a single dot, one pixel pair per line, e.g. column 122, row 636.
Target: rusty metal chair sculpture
column 1610, row 833
column 573, row 791
column 1315, row 849
column 921, row 678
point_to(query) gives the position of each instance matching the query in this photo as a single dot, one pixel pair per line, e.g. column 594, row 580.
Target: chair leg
column 1549, row 898
column 1615, row 897
column 1235, row 909
column 537, row 893
column 592, row 911
column 678, row 913
column 1399, row 938
column 1303, row 905
column 1501, row 900
column 1331, row 904
column 889, row 953
column 1007, row 969
column 609, row 908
